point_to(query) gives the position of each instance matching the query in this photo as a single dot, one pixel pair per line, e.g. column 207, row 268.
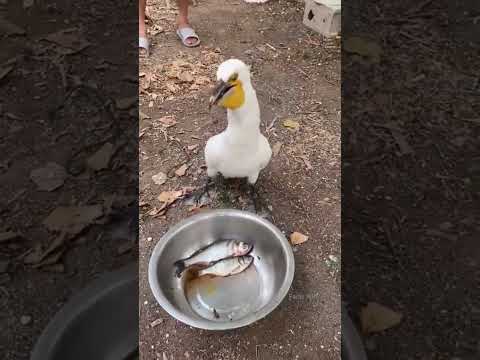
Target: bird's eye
column 233, row 77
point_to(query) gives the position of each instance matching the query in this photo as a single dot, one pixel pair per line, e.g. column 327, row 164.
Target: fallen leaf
column 375, row 318
column 72, row 219
column 172, row 87
column 5, row 72
column 50, row 177
column 298, row 238
column 124, row 248
column 143, row 116
column 188, row 190
column 276, row 148
column 156, row 212
column 192, row 147
column 291, row 124
column 169, row 197
column 168, row 121
column 28, row 3
column 101, row 158
column 51, row 259
column 8, row 236
column 181, row 170
column 8, row 28
column 185, row 76
column 363, row 47
column 159, row 178
column 146, row 81
column 48, row 256
column 126, row 103
column 71, row 41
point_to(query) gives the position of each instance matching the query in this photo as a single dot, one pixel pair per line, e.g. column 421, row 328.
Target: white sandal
column 188, row 33
column 144, row 44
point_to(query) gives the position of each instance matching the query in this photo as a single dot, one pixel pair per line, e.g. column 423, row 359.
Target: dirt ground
column 56, row 106
column 297, row 77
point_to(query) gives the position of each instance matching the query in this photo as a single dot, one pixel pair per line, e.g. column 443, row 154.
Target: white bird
column 240, row 151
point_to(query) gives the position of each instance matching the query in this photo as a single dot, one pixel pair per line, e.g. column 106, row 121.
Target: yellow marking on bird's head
column 236, row 96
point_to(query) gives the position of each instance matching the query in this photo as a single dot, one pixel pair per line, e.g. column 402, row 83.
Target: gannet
column 241, row 150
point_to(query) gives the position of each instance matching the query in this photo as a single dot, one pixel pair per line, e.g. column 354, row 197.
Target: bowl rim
column 204, row 323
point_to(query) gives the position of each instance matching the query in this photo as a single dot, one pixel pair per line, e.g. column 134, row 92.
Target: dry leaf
column 192, row 147
column 375, row 318
column 72, row 42
column 363, row 47
column 291, row 124
column 159, row 178
column 72, row 219
column 185, row 76
column 168, row 121
column 298, row 238
column 124, row 248
column 172, row 87
column 156, row 212
column 50, row 259
column 101, row 158
column 5, row 72
column 126, row 103
column 276, row 148
column 8, row 235
column 145, row 84
column 168, row 197
column 143, row 116
column 181, row 170
column 50, row 177
column 37, row 256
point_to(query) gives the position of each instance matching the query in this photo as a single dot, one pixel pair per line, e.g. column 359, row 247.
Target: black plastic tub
column 100, row 323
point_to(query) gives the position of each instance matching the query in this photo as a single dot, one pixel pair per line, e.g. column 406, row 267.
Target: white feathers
column 240, row 150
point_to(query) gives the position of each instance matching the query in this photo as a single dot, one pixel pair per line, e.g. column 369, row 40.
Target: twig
column 270, row 46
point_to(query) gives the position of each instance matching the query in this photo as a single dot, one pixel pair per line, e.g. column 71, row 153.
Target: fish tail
column 180, row 267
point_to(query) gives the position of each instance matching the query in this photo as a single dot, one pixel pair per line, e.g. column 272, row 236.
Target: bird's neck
column 244, row 122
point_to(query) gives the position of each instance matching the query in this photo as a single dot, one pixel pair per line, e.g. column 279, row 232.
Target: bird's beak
column 219, row 91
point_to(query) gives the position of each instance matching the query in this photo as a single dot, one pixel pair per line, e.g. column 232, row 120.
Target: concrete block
column 323, row 16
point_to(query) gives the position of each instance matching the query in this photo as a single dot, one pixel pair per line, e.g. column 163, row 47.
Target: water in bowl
column 225, row 298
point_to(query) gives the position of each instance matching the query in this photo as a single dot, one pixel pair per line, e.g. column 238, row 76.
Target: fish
column 209, row 255
column 227, row 267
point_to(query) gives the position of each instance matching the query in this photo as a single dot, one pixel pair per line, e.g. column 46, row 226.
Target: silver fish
column 217, row 251
column 228, row 267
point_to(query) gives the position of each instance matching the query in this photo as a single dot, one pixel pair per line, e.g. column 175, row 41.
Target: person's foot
column 191, row 39
column 143, row 43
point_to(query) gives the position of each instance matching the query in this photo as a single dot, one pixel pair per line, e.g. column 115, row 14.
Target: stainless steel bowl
column 222, row 303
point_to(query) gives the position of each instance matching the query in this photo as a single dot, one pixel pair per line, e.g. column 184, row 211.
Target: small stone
column 149, row 238
column 25, row 319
